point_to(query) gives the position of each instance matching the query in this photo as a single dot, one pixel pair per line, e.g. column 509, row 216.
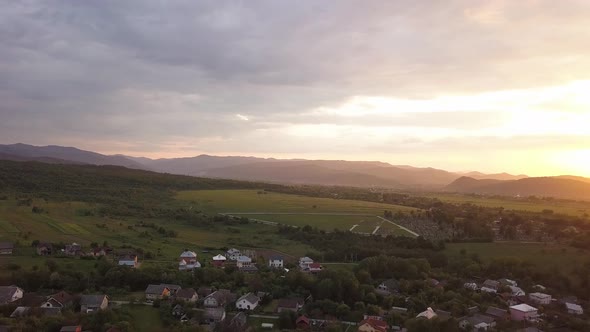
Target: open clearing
column 569, row 207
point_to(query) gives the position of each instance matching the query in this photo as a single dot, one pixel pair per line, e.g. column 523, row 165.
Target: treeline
column 125, row 191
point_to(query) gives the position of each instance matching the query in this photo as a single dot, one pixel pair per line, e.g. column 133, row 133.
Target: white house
column 233, row 254
column 574, row 309
column 129, row 260
column 522, row 312
column 540, row 298
column 516, row 291
column 275, row 262
column 428, row 314
column 478, row 322
column 188, row 261
column 304, row 263
column 9, row 294
column 242, row 261
column 219, row 260
column 247, row 302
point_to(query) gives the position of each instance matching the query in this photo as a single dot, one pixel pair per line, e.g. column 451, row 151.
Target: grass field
column 544, row 256
column 570, row 208
column 226, row 201
column 145, row 318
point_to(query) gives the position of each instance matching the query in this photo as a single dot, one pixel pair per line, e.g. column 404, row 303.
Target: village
column 220, row 309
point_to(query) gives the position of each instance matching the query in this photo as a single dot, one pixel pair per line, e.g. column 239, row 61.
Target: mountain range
column 321, row 172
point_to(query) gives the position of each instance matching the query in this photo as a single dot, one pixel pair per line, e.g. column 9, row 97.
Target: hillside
column 65, row 154
column 289, row 171
column 536, row 186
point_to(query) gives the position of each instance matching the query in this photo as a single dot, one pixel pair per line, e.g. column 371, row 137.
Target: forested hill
column 113, row 185
column 541, row 186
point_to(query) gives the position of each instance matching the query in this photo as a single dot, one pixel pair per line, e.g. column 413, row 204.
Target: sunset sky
column 491, row 86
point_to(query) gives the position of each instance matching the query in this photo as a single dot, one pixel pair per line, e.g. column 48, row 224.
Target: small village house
column 574, row 309
column 187, row 295
column 247, row 302
column 540, row 298
column 304, row 263
column 188, row 261
column 302, row 323
column 73, row 249
column 372, row 325
column 173, row 288
column 498, row 314
column 213, row 315
column 290, row 304
column 129, row 260
column 315, row 268
column 242, row 261
column 156, row 292
column 275, row 262
column 388, row 287
column 44, row 249
column 9, row 294
column 428, row 314
column 6, row 248
column 523, row 312
column 93, row 303
column 219, row 260
column 59, row 300
column 477, row 322
column 233, row 254
column 219, row 298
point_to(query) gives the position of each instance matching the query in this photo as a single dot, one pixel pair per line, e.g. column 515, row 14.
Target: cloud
column 312, row 77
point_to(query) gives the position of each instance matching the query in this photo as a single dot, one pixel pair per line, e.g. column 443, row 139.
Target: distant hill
column 292, row 171
column 71, row 155
column 534, row 186
column 498, row 176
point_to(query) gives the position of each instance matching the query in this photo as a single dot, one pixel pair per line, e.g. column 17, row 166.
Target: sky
column 466, row 85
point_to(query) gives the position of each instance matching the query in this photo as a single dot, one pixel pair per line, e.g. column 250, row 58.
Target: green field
column 325, row 222
column 544, row 256
column 227, row 201
column 145, row 318
column 569, row 207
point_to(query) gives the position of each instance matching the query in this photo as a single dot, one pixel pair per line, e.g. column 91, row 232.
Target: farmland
column 564, row 207
column 324, row 213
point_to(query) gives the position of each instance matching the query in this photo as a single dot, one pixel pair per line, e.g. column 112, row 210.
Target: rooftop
column 523, row 307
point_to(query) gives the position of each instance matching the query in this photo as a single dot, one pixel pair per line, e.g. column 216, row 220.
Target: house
column 388, row 287
column 372, row 325
column 156, row 292
column 522, row 312
column 213, row 315
column 59, row 300
column 508, row 282
column 219, row 260
column 304, row 263
column 129, row 260
column 242, row 261
column 497, row 313
column 173, row 288
column 233, row 254
column 187, row 295
column 490, row 286
column 247, row 302
column 44, row 249
column 428, row 314
column 9, row 294
column 188, row 261
column 302, row 323
column 6, row 248
column 238, row 323
column 477, row 322
column 73, row 328
column 540, row 298
column 92, row 303
column 219, row 298
column 178, row 311
column 471, row 286
column 399, row 310
column 101, row 251
column 516, row 291
column 291, row 304
column 275, row 262
column 73, row 249
column 574, row 309
column 315, row 268
column 248, row 269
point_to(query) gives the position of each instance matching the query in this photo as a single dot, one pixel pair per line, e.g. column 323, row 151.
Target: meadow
column 572, row 208
column 545, row 256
